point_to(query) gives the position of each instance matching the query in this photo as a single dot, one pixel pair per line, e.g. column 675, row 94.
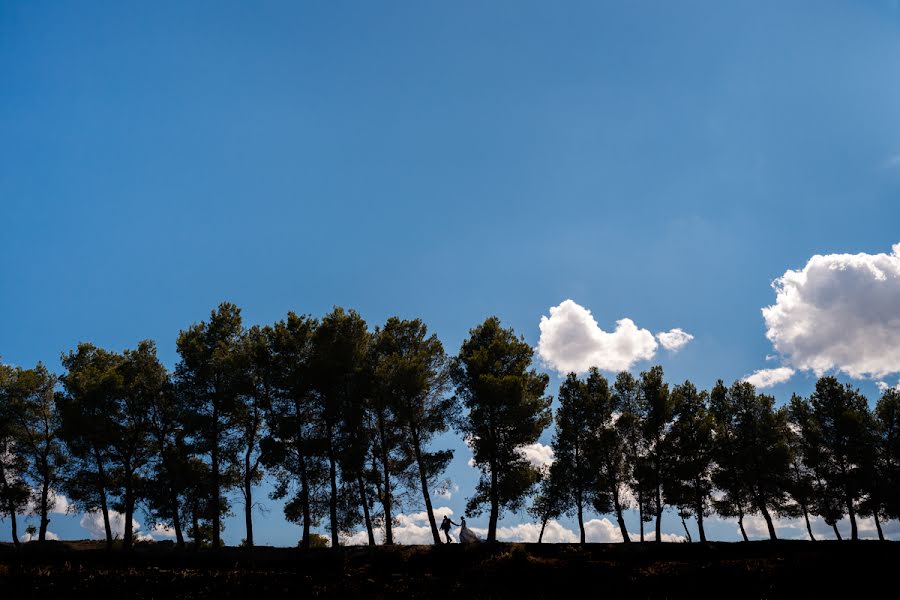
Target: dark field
column 724, row 570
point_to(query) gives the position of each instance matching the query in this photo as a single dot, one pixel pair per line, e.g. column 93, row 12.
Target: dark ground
column 788, row 569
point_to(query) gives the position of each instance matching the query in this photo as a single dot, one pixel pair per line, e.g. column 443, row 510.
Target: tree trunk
column 878, row 525
column 641, row 511
column 248, row 498
column 658, row 510
column 45, row 491
column 176, row 519
column 332, row 476
column 581, row 517
column 104, row 508
column 195, row 516
column 686, row 532
column 216, row 508
column 495, row 506
column 854, row 533
column 386, row 499
column 812, row 538
column 10, row 505
column 768, row 518
column 304, row 479
column 128, row 538
column 700, row 509
column 837, row 533
column 304, row 500
column 365, row 506
column 543, row 527
column 618, row 505
column 741, row 524
column 423, row 479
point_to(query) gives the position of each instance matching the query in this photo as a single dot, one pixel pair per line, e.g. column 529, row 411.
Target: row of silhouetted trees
column 341, row 417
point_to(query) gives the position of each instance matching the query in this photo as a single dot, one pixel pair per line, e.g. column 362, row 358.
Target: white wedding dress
column 466, row 535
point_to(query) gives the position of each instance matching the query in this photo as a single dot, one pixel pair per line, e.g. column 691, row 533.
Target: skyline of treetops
column 346, row 425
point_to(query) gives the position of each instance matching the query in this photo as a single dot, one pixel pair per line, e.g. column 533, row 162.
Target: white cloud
column 765, row 378
column 410, row 528
column 884, row 386
column 595, row 531
column 537, row 454
column 27, row 537
column 840, row 312
column 572, row 341
column 93, row 523
column 163, row 531
column 59, row 504
column 675, row 339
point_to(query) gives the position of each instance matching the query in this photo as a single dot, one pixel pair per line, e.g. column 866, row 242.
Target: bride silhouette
column 466, row 535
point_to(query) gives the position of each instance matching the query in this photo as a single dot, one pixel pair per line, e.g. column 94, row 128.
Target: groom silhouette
column 445, row 527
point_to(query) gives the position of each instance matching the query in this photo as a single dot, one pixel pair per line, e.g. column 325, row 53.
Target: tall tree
column 412, row 372
column 842, row 426
column 37, row 425
column 887, row 412
column 292, row 447
column 258, row 366
column 549, row 502
column 13, row 466
column 657, row 410
column 802, row 481
column 730, row 472
column 210, row 379
column 611, row 450
column 579, row 419
column 762, row 450
column 507, row 409
column 170, row 476
column 628, row 427
column 690, row 445
column 92, row 385
column 340, row 379
column 144, row 379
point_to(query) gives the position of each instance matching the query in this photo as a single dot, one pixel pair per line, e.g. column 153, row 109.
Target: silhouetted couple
column 466, row 535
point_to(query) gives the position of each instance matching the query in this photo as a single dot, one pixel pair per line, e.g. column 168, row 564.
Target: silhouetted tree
column 887, row 412
column 144, row 379
column 13, row 466
column 802, row 481
column 340, row 379
column 409, row 407
column 210, row 380
column 579, row 419
column 258, row 366
column 628, row 426
column 412, row 371
column 729, row 474
column 657, row 409
column 549, row 502
column 688, row 483
column 170, row 476
column 293, row 446
column 92, row 385
column 763, row 453
column 842, row 426
column 37, row 427
column 507, row 409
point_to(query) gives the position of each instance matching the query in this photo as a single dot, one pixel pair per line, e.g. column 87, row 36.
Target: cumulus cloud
column 537, row 454
column 58, row 503
column 410, row 528
column 839, row 312
column 765, row 378
column 675, row 339
column 572, row 341
column 595, row 531
column 93, row 523
column 27, row 537
column 883, row 386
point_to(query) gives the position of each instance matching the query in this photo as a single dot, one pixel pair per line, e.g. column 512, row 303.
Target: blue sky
column 662, row 162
